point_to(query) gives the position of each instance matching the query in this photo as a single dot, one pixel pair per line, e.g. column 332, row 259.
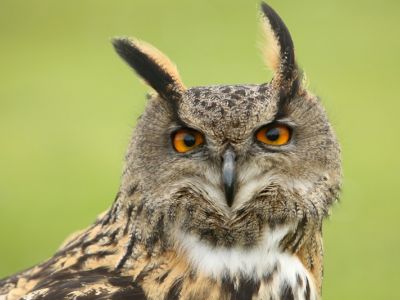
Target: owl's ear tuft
column 151, row 65
column 278, row 50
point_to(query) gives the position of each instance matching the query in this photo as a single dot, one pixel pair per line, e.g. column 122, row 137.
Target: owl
column 223, row 193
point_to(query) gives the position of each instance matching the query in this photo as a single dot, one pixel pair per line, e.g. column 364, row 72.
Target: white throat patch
column 255, row 263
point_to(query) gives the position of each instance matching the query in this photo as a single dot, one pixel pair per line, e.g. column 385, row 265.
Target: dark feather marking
column 287, row 292
column 163, row 277
column 299, row 280
column 281, row 111
column 207, row 234
column 268, row 277
column 149, row 210
column 122, row 282
column 111, row 238
column 175, row 290
column 75, row 243
column 140, row 207
column 128, row 251
column 146, row 271
column 155, row 236
column 128, row 218
column 132, row 190
column 300, row 233
column 142, row 274
column 245, row 290
column 294, row 239
column 193, row 274
column 114, row 211
column 97, row 255
column 95, row 240
column 107, row 217
column 307, row 292
column 133, row 293
column 281, row 104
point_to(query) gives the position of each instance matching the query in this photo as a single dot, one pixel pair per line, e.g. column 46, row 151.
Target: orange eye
column 274, row 134
column 185, row 140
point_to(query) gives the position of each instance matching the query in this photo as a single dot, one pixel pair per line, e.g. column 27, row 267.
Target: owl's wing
column 7, row 284
column 94, row 284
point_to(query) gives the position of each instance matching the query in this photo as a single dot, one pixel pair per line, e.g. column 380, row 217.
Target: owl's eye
column 274, row 134
column 185, row 140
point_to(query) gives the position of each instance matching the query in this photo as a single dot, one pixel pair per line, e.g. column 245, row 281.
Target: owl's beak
column 229, row 174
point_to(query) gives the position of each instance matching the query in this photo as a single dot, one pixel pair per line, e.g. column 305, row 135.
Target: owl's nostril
column 229, row 174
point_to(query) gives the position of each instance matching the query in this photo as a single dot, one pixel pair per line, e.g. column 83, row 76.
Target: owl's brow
column 175, row 114
column 284, row 97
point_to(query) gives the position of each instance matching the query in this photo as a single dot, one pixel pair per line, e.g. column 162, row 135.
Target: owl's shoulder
column 98, row 283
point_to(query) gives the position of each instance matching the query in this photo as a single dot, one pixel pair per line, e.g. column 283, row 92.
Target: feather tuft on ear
column 278, row 51
column 151, row 65
column 271, row 51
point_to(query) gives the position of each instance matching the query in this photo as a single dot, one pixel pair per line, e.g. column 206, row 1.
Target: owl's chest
column 262, row 272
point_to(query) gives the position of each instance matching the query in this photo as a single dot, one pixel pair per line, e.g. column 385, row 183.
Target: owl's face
column 225, row 162
column 275, row 144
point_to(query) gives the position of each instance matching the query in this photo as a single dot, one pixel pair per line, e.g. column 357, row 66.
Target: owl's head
column 223, row 162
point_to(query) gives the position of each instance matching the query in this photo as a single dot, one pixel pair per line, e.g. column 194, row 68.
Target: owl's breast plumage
column 264, row 271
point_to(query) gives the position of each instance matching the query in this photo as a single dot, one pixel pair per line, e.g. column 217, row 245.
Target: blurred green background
column 68, row 105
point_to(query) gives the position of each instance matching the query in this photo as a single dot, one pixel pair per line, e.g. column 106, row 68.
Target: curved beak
column 229, row 174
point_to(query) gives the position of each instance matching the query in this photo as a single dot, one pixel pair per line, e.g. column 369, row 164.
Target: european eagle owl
column 223, row 194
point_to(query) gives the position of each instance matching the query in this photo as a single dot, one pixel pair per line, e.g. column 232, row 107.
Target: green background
column 68, row 105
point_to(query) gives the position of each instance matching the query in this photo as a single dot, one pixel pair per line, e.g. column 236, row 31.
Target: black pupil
column 189, row 140
column 272, row 134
